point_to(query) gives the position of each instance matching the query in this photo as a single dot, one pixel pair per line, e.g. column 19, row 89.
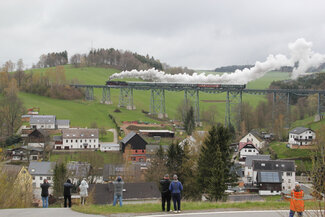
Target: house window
column 48, row 178
column 85, row 140
column 66, row 141
column 277, row 165
column 289, row 180
column 142, row 151
column 80, row 140
column 76, row 140
column 136, row 151
column 33, row 177
column 289, row 174
column 71, row 141
column 80, row 146
column 249, row 150
column 94, row 140
column 89, row 146
column 40, row 178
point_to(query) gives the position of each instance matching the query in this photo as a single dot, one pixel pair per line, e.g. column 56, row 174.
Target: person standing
column 176, row 188
column 118, row 190
column 67, row 192
column 45, row 193
column 297, row 201
column 83, row 187
column 165, row 193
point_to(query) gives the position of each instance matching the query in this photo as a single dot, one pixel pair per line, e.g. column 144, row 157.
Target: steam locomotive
column 160, row 84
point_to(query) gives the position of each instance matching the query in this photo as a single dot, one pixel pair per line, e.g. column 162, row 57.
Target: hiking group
column 171, row 189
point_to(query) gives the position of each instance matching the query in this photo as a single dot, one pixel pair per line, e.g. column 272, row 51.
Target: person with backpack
column 165, row 193
column 176, row 188
column 118, row 190
column 45, row 193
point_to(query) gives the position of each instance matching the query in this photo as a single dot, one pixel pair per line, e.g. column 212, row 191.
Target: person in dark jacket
column 176, row 188
column 118, row 190
column 165, row 193
column 45, row 193
column 67, row 192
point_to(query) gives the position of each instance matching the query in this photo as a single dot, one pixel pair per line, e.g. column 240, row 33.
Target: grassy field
column 82, row 113
column 287, row 153
column 96, row 158
column 156, row 207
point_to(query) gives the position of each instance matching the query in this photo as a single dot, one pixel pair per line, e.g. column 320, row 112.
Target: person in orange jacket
column 297, row 201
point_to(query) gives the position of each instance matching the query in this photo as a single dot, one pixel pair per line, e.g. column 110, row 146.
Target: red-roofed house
column 247, row 149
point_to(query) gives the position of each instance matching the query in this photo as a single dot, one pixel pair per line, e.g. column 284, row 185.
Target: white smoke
column 300, row 52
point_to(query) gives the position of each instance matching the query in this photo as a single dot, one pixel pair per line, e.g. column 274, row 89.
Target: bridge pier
column 233, row 101
column 194, row 95
column 320, row 107
column 157, row 103
column 126, row 98
column 106, row 96
column 89, row 93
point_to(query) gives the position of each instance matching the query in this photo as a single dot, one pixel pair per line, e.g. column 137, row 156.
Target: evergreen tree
column 157, row 168
column 174, row 159
column 189, row 122
column 214, row 163
column 60, row 175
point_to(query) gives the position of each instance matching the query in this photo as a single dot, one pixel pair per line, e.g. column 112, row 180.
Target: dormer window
column 33, row 170
column 92, row 134
column 263, row 164
column 277, row 165
column 282, row 165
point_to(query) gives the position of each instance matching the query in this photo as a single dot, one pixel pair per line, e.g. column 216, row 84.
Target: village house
column 151, row 150
column 273, row 176
column 133, row 147
column 40, row 171
column 37, row 138
column 105, row 147
column 247, row 149
column 248, row 168
column 301, row 136
column 42, row 121
column 62, row 124
column 77, row 171
column 25, row 153
column 255, row 138
column 78, row 138
column 19, row 177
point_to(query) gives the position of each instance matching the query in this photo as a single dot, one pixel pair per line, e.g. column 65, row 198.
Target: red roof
column 243, row 144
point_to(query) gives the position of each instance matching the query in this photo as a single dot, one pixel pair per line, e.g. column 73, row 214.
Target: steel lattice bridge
column 233, row 92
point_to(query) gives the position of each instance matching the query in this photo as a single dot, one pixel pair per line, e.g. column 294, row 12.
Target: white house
column 248, row 170
column 104, row 147
column 78, row 138
column 43, row 121
column 40, row 171
column 301, row 136
column 274, row 176
column 255, row 138
column 247, row 149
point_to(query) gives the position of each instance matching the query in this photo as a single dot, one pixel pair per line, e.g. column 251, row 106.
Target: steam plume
column 300, row 52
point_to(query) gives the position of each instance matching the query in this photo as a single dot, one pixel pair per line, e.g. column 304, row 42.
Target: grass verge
column 156, row 207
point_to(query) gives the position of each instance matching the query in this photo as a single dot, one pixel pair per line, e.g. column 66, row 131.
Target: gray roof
column 41, row 168
column 120, row 169
column 269, row 177
column 250, row 158
column 78, row 169
column 128, row 137
column 57, row 138
column 11, row 170
column 63, row 122
column 82, row 133
column 299, row 130
column 42, row 119
column 274, row 165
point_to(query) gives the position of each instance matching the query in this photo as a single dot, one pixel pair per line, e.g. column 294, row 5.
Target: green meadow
column 82, row 113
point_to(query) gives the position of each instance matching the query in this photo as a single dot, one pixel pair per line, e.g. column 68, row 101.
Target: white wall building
column 79, row 138
column 248, row 170
column 285, row 168
column 43, row 121
column 104, row 147
column 40, row 171
column 301, row 136
column 247, row 149
column 253, row 137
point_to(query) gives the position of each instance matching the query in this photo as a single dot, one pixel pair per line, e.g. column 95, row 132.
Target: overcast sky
column 199, row 34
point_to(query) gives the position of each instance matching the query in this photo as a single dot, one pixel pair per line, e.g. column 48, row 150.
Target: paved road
column 40, row 212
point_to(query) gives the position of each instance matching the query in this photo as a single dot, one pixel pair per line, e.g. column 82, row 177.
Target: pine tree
column 189, row 122
column 214, row 162
column 174, row 159
column 60, row 175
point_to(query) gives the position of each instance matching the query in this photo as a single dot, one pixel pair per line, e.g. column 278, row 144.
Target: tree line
column 204, row 168
column 52, row 59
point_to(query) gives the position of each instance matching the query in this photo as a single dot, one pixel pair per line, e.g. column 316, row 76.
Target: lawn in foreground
column 156, row 207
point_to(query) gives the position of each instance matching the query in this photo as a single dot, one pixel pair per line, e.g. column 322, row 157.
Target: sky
column 199, row 34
